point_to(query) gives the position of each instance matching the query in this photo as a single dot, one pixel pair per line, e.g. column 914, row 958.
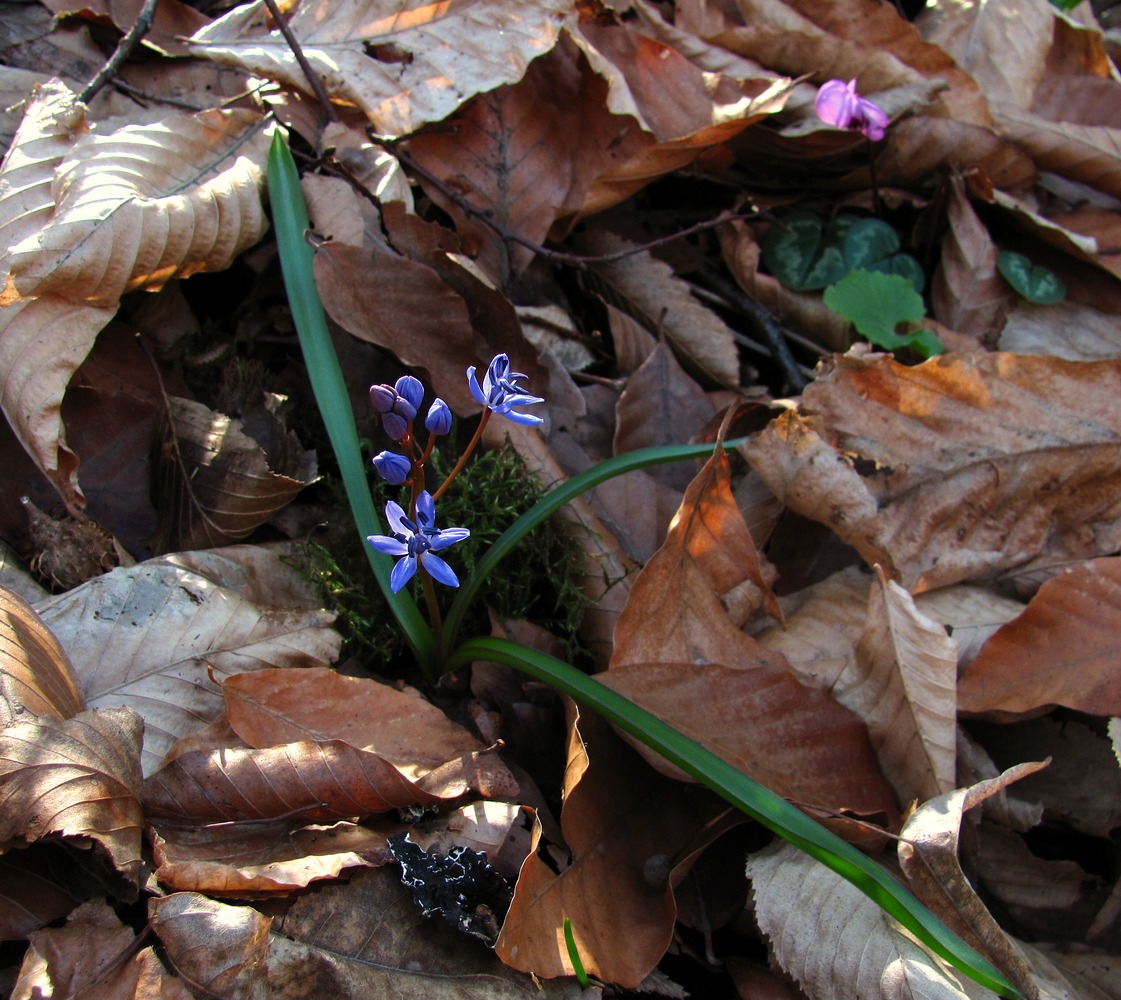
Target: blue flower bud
column 393, row 468
column 411, row 390
column 439, row 419
column 382, row 398
column 394, row 425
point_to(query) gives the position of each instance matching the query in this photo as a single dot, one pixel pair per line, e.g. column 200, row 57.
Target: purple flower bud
column 394, row 425
column 838, row 104
column 382, row 398
column 393, row 468
column 410, row 389
column 439, row 419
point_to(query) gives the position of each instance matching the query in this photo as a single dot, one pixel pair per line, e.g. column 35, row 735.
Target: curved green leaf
column 803, row 253
column 1035, row 283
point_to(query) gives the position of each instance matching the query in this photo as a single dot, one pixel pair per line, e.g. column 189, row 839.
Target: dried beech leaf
column 647, row 289
column 215, row 484
column 928, row 855
column 322, row 781
column 617, row 815
column 1067, row 329
column 145, row 636
column 904, row 688
column 404, row 67
column 35, row 675
column 1062, row 650
column 966, row 481
column 90, row 956
column 216, row 947
column 144, row 204
column 260, row 860
column 75, row 778
column 835, row 941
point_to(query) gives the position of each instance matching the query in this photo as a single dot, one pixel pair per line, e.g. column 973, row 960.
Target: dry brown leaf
column 928, row 855
column 618, row 815
column 904, row 688
column 78, row 778
column 1062, row 650
column 835, row 941
column 966, row 481
column 90, row 956
column 323, row 781
column 146, row 636
column 35, row 675
column 797, row 741
column 404, row 67
column 193, row 207
column 269, row 707
column 1067, row 329
column 215, row 484
column 220, row 949
column 171, row 22
column 968, row 292
column 971, row 614
column 368, row 939
column 261, row 860
column 647, row 289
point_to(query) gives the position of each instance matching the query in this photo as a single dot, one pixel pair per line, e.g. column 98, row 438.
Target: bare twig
column 124, row 49
column 313, row 80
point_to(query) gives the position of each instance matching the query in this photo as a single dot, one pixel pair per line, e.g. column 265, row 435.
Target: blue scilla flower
column 500, row 393
column 417, row 543
column 397, row 404
column 393, row 468
column 439, row 419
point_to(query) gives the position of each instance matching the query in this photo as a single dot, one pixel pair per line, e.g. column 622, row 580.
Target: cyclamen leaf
column 1036, row 284
column 803, row 254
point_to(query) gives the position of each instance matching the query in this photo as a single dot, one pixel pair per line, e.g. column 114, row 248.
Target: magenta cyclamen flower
column 838, row 104
column 417, row 542
column 500, row 392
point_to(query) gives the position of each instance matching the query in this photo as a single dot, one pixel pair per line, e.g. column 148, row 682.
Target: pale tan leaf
column 1061, row 650
column 928, row 855
column 1087, row 153
column 248, row 861
column 649, row 291
column 1067, row 329
column 836, row 942
column 76, row 778
column 145, row 636
column 904, row 688
column 1002, row 44
column 171, row 21
column 143, row 204
column 90, row 956
column 968, row 292
column 983, row 463
column 971, row 614
column 215, row 484
column 427, row 59
column 368, row 939
column 216, row 947
column 35, row 676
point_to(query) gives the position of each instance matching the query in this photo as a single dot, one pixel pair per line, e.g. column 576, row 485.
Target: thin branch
column 313, row 80
column 124, row 49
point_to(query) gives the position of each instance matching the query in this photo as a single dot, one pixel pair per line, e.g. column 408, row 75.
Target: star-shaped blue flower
column 417, row 542
column 500, row 393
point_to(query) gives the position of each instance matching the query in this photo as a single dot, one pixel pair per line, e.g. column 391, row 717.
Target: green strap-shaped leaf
column 757, row 801
column 290, row 218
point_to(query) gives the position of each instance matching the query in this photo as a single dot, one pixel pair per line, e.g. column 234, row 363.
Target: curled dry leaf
column 221, row 949
column 91, row 956
column 75, row 778
column 835, row 941
column 35, row 675
column 928, row 854
column 216, row 484
column 404, row 67
column 965, row 481
column 904, row 688
column 146, row 636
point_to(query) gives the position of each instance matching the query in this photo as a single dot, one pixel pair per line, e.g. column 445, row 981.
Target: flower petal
column 473, row 385
column 439, row 570
column 402, row 573
column 426, row 512
column 447, row 536
column 390, row 546
column 836, row 102
column 398, row 523
column 525, row 419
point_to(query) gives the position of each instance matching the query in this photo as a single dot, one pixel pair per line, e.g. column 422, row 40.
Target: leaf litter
column 891, row 605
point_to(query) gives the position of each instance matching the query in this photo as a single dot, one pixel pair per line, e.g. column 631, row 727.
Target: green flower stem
column 556, row 498
column 757, row 801
column 290, row 218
